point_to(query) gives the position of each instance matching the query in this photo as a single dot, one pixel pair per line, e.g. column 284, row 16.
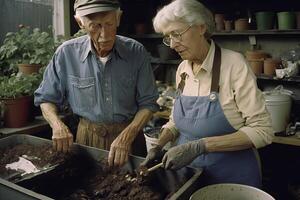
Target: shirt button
column 107, row 99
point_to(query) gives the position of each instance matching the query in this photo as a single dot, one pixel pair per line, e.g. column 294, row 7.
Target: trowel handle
column 155, row 167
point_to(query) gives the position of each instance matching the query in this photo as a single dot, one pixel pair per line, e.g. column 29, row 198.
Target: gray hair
column 186, row 11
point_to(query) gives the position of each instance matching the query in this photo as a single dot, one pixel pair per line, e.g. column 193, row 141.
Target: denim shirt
column 113, row 92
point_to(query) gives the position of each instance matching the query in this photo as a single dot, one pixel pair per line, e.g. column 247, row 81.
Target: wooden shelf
column 257, row 32
column 39, row 124
column 295, row 79
column 289, row 140
column 229, row 33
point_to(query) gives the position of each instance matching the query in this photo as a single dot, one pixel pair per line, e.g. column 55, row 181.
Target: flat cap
column 86, row 7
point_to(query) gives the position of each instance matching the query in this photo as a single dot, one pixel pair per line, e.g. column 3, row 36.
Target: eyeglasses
column 177, row 37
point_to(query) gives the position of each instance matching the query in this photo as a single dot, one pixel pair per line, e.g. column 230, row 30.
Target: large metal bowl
column 230, row 192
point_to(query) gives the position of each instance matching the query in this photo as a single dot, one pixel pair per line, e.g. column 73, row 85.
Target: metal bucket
column 228, row 191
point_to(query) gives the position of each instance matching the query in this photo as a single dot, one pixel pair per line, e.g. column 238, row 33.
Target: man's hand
column 155, row 153
column 182, row 155
column 120, row 147
column 62, row 138
column 118, row 153
column 61, row 135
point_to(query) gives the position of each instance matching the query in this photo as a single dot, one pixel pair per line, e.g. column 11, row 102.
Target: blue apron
column 198, row 117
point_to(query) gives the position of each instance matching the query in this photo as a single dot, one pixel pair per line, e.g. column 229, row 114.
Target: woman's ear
column 119, row 14
column 79, row 22
column 202, row 28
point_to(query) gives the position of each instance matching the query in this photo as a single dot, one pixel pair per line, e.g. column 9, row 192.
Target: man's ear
column 119, row 14
column 79, row 22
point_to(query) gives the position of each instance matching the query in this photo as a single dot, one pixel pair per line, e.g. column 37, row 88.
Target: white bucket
column 151, row 138
column 150, row 142
column 279, row 107
column 230, row 191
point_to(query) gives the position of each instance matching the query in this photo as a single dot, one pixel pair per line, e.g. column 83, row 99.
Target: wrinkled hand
column 155, row 153
column 182, row 155
column 118, row 153
column 62, row 138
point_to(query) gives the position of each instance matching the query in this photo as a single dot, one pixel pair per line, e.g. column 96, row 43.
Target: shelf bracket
column 252, row 40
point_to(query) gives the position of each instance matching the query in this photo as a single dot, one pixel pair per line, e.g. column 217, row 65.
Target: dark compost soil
column 78, row 177
column 40, row 156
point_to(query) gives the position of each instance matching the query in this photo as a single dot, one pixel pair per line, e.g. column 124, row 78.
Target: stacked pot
column 219, row 20
column 261, row 63
column 256, row 60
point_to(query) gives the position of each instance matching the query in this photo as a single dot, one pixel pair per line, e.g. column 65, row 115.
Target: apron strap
column 216, row 70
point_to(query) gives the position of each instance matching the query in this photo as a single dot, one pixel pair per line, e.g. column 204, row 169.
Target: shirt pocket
column 83, row 90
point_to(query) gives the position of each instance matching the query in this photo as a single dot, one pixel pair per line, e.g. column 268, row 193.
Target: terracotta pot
column 219, row 18
column 270, row 65
column 220, row 26
column 29, row 68
column 140, row 28
column 241, row 25
column 256, row 54
column 257, row 66
column 298, row 20
column 17, row 111
column 228, row 25
column 1, row 113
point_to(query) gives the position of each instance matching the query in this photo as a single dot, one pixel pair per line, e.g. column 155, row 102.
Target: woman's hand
column 155, row 153
column 182, row 155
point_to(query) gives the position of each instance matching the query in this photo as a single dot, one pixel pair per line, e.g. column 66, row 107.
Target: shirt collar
column 118, row 49
column 207, row 63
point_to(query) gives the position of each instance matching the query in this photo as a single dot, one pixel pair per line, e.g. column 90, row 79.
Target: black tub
column 166, row 181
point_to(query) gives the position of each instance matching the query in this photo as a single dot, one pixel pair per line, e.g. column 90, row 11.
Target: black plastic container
column 166, row 181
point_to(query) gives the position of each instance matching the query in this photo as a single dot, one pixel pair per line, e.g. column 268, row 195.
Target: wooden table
column 38, row 125
column 289, row 140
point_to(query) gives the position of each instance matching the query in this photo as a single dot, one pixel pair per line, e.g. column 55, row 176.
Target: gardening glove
column 182, row 155
column 62, row 138
column 155, row 153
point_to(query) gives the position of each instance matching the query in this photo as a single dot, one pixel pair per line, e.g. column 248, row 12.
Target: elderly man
column 106, row 79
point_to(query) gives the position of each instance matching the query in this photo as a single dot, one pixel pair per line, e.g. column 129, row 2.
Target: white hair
column 191, row 12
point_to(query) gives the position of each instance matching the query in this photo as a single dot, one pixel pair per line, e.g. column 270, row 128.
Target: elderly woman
column 219, row 117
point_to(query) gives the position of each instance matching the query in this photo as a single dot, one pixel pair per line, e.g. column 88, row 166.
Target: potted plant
column 16, row 94
column 28, row 49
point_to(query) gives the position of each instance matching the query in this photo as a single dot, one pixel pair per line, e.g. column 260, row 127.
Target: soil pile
column 78, row 176
column 40, row 156
column 112, row 184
